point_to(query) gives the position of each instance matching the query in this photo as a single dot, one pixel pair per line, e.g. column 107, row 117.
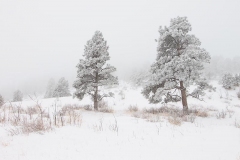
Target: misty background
column 45, row 39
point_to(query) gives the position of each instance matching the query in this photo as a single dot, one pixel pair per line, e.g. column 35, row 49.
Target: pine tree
column 178, row 64
column 50, row 89
column 17, row 96
column 1, row 100
column 228, row 81
column 237, row 80
column 93, row 72
column 62, row 88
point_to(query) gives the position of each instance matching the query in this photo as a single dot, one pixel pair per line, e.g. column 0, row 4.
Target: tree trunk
column 184, row 98
column 95, row 102
column 96, row 94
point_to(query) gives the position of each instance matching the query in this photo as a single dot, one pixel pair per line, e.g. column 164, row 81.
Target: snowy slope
column 136, row 138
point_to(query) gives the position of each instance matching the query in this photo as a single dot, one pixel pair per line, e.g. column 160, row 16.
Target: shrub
column 221, row 115
column 133, row 108
column 103, row 107
column 175, row 120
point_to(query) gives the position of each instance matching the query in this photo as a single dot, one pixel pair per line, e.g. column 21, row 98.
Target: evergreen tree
column 50, row 89
column 228, row 81
column 17, row 96
column 62, row 88
column 93, row 72
column 1, row 100
column 178, row 64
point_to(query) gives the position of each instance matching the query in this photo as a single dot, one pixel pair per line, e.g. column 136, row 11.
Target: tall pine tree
column 93, row 72
column 178, row 64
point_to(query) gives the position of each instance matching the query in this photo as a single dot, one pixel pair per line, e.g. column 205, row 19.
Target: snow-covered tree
column 237, row 80
column 50, row 89
column 17, row 96
column 227, row 81
column 93, row 72
column 62, row 88
column 140, row 78
column 1, row 100
column 178, row 64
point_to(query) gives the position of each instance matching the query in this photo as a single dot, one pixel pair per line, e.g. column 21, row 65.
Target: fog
column 45, row 39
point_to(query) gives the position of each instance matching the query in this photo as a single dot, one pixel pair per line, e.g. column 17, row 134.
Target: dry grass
column 175, row 120
column 174, row 116
column 104, row 107
column 35, row 119
column 133, row 108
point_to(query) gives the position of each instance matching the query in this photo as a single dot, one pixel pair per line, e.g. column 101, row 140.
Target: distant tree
column 178, row 64
column 228, row 81
column 17, row 96
column 93, row 72
column 237, row 80
column 62, row 88
column 50, row 89
column 1, row 100
column 140, row 78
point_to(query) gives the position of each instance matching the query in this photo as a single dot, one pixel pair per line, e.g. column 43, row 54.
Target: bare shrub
column 189, row 118
column 99, row 126
column 69, row 114
column 133, row 108
column 27, row 127
column 164, row 111
column 34, row 126
column 175, row 120
column 221, row 115
column 103, row 107
column 77, row 107
column 31, row 111
column 198, row 112
column 136, row 115
column 114, row 126
column 153, row 118
column 173, row 115
column 88, row 107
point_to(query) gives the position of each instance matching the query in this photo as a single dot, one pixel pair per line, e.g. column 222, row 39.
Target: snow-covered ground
column 119, row 135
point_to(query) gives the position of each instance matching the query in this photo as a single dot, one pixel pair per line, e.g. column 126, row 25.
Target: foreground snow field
column 119, row 135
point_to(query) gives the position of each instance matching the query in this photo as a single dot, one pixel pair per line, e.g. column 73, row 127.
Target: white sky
column 45, row 39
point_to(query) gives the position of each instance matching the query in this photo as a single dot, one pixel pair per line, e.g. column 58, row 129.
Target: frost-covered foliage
column 1, row 100
column 140, row 78
column 93, row 72
column 178, row 64
column 50, row 89
column 17, row 96
column 237, row 80
column 62, row 88
column 229, row 81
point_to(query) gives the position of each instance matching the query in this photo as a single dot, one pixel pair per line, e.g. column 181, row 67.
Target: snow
column 136, row 138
